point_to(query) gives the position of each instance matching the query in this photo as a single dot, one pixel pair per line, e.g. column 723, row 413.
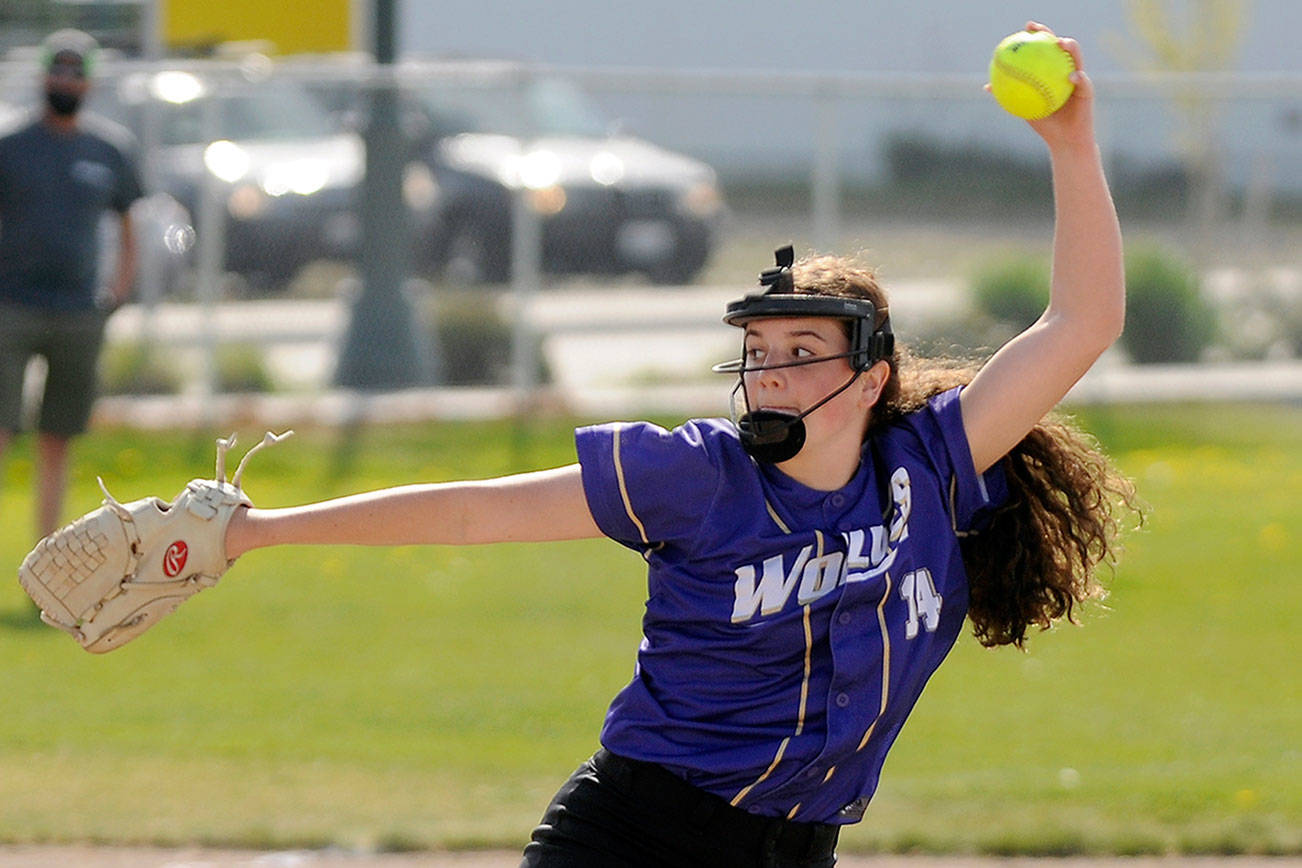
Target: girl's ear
column 873, row 381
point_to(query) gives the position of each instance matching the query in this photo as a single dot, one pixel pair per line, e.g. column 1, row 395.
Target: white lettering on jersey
column 869, row 552
column 822, row 575
column 774, row 587
column 919, row 591
column 902, row 494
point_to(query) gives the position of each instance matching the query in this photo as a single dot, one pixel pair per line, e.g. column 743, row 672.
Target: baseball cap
column 70, row 49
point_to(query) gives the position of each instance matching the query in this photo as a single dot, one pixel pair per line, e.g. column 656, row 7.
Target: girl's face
column 796, row 389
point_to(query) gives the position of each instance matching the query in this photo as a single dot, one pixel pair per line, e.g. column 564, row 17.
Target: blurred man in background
column 60, row 173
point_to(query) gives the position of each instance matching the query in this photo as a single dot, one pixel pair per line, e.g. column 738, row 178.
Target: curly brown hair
column 1040, row 555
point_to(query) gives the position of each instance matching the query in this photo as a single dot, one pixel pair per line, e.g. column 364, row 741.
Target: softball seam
column 1031, row 81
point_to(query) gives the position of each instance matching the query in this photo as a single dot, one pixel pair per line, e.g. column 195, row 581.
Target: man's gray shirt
column 54, row 190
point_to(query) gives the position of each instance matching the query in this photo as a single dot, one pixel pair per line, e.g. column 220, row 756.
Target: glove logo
column 174, row 558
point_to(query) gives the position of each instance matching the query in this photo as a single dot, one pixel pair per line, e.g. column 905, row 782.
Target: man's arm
column 124, row 276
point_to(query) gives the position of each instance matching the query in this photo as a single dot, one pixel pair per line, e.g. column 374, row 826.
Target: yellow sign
column 289, row 26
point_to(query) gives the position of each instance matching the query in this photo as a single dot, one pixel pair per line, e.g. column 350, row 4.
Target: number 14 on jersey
column 919, row 591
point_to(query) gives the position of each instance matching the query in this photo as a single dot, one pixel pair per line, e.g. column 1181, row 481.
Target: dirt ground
column 115, row 857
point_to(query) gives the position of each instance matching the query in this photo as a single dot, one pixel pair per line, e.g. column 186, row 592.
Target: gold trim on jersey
column 623, row 488
column 804, row 684
column 782, row 748
column 773, row 514
column 886, row 661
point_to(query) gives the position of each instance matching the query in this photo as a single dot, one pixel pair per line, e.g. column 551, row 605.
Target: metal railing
column 825, row 140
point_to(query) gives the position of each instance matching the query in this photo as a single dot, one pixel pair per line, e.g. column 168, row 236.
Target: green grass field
column 403, row 698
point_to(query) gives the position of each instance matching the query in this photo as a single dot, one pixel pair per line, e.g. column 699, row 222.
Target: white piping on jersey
column 623, row 488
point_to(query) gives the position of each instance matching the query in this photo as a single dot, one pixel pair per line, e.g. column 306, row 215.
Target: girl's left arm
column 1035, row 370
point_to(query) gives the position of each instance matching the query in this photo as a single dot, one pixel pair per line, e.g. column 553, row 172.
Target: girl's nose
column 770, row 379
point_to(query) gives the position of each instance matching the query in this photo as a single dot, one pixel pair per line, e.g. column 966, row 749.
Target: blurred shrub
column 1265, row 322
column 472, row 338
column 137, row 368
column 1012, row 291
column 1290, row 324
column 1167, row 318
column 958, row 338
column 242, row 368
column 947, row 174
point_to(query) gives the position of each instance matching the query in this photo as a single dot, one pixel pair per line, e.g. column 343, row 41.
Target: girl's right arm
column 528, row 507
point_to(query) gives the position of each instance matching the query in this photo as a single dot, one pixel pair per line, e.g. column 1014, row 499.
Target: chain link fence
column 547, row 206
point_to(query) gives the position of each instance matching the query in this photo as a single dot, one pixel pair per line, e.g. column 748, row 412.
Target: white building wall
column 755, row 134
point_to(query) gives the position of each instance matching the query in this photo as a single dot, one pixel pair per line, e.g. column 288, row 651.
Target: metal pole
column 526, row 268
column 151, row 27
column 826, row 204
column 149, row 281
column 210, row 257
column 382, row 347
column 526, row 273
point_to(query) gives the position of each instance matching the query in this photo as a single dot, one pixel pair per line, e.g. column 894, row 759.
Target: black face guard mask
column 773, row 436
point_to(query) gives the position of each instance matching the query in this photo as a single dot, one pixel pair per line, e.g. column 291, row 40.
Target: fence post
column 826, row 180
column 211, row 255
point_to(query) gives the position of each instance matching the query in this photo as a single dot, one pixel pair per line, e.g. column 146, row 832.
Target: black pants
column 619, row 813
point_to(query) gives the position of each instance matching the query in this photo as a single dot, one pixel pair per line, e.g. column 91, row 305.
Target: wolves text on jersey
column 868, row 553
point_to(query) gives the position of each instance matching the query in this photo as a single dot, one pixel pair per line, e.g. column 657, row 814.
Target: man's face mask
column 62, row 102
column 65, row 81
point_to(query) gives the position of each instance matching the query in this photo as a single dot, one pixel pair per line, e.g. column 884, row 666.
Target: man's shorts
column 70, row 342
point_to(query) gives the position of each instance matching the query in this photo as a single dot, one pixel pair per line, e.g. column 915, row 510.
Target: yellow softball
column 1029, row 74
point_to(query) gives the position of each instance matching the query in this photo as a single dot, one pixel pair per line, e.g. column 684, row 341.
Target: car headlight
column 546, row 201
column 419, row 189
column 303, row 177
column 246, row 202
column 606, row 168
column 226, row 160
column 701, row 200
column 538, row 169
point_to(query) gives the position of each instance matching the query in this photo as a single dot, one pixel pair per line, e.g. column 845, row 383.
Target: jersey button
column 836, row 500
column 844, row 618
column 842, row 700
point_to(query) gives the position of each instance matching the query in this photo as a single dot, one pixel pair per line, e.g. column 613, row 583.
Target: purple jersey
column 788, row 631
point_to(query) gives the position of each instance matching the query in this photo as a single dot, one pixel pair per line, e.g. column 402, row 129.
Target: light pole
column 383, row 346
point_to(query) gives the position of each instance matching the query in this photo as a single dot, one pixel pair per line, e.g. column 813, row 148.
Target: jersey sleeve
column 646, row 485
column 971, row 498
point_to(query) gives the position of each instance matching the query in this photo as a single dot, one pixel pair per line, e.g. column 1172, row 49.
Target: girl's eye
column 802, row 353
column 754, row 353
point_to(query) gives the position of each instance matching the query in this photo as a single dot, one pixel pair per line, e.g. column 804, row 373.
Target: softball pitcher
column 810, row 561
